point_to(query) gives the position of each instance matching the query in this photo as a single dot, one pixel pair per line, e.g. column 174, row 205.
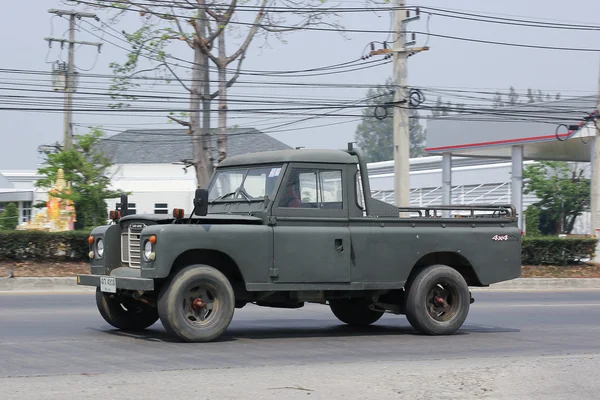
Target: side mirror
column 201, row 202
column 124, row 205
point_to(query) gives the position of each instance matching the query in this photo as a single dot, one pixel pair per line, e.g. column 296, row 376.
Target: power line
column 371, row 31
column 444, row 12
column 347, row 66
column 528, row 46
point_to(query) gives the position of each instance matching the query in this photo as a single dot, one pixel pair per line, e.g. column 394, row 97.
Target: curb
column 70, row 284
column 545, row 284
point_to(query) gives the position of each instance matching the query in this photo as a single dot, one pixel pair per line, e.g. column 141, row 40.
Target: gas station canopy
column 558, row 131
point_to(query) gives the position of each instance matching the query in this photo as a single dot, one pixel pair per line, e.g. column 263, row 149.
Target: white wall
column 154, row 183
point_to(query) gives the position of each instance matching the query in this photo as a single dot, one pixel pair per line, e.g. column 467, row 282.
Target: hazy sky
column 449, row 64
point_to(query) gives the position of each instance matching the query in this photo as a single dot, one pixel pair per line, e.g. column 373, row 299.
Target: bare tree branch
column 176, row 77
column 141, row 71
column 255, row 26
column 232, row 81
column 211, row 13
column 222, row 20
column 179, row 121
column 183, row 35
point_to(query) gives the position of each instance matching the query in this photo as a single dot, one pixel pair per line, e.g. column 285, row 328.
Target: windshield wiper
column 223, row 196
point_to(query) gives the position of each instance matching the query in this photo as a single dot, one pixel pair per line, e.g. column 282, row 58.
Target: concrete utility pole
column 70, row 75
column 401, row 17
column 595, row 162
column 401, row 115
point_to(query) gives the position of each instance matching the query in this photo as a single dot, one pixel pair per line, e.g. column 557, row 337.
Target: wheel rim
column 201, row 304
column 442, row 301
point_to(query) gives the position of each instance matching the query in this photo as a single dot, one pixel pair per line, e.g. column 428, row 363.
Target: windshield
column 244, row 183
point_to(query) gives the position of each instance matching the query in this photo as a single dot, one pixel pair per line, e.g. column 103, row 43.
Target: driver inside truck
column 290, row 197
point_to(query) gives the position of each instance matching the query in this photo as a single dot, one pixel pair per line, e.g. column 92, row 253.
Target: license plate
column 108, row 284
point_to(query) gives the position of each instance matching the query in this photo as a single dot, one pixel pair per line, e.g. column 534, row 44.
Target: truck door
column 311, row 233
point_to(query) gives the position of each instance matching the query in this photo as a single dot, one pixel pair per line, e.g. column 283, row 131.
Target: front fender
column 249, row 246
column 111, row 235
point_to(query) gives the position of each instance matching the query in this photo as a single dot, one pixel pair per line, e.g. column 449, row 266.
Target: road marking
column 541, row 305
column 40, row 292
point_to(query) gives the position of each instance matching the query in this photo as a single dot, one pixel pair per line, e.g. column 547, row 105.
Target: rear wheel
column 197, row 305
column 354, row 311
column 125, row 313
column 438, row 300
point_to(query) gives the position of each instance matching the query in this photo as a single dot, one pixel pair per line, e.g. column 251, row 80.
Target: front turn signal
column 152, row 239
column 178, row 213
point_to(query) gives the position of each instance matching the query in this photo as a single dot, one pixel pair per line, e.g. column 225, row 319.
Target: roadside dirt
column 549, row 271
column 43, row 269
column 64, row 269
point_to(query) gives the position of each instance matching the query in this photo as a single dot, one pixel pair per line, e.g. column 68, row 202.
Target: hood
column 208, row 219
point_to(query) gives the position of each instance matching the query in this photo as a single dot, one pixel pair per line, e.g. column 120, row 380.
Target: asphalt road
column 58, row 339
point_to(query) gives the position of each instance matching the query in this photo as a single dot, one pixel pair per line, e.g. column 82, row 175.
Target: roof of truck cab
column 284, row 156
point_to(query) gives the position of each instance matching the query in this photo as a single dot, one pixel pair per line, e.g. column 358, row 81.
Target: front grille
column 130, row 245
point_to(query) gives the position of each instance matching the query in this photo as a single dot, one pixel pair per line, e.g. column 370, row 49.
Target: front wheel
column 437, row 301
column 197, row 305
column 354, row 311
column 125, row 313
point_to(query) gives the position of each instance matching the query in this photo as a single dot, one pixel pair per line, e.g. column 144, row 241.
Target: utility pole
column 401, row 114
column 595, row 163
column 401, row 16
column 69, row 87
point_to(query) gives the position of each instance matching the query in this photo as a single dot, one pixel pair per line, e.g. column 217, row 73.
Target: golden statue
column 59, row 214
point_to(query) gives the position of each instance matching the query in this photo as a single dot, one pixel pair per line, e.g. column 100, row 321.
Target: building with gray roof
column 165, row 146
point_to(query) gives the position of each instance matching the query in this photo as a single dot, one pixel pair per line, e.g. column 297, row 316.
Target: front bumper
column 122, row 282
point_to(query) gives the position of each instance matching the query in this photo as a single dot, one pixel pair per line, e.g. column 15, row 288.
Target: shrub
column 44, row 246
column 9, row 219
column 556, row 251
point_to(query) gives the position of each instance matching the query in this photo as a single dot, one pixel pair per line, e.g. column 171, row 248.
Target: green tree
column 513, row 97
column 532, row 220
column 9, row 219
column 375, row 136
column 498, row 101
column 563, row 191
column 530, row 96
column 87, row 169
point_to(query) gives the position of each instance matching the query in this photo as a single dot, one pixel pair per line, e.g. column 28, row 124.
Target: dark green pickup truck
column 285, row 228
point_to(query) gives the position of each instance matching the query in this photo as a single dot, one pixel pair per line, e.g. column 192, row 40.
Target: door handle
column 339, row 246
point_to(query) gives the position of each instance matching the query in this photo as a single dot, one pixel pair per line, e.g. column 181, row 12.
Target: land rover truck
column 286, row 228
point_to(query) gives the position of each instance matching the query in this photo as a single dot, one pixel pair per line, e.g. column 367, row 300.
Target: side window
column 312, row 188
column 300, row 189
column 330, row 185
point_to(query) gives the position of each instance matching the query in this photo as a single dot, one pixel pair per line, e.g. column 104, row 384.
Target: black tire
column 191, row 322
column 354, row 311
column 435, row 310
column 125, row 313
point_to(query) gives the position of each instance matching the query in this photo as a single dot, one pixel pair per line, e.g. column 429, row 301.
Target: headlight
column 147, row 250
column 100, row 248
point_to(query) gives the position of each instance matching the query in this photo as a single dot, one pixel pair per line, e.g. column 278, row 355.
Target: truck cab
column 283, row 228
